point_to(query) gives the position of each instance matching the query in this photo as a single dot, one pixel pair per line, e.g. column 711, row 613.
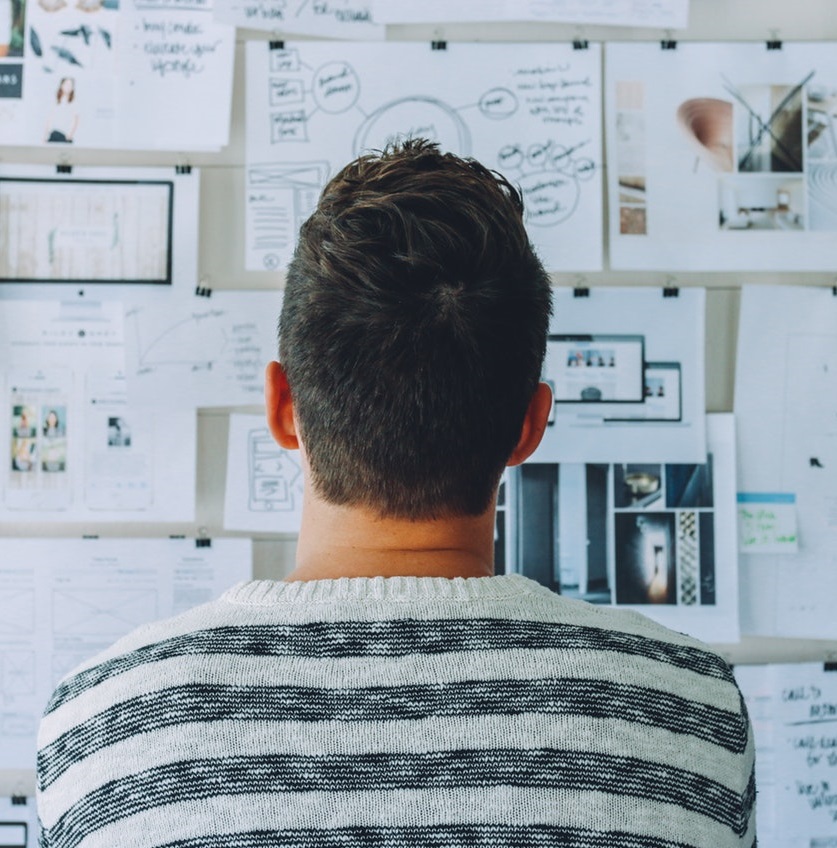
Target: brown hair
column 413, row 332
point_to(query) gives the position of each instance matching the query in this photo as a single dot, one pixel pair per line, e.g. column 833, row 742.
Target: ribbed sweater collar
column 394, row 589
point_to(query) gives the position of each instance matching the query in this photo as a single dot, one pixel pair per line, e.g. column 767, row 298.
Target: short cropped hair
column 413, row 332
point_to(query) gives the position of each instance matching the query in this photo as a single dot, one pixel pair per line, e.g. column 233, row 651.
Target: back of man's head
column 413, row 333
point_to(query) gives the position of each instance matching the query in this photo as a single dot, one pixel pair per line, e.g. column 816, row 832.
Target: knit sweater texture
column 395, row 712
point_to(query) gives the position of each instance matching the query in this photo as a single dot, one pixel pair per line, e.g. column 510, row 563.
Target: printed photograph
column 750, row 202
column 645, row 553
column 12, row 27
column 637, row 486
column 24, row 421
column 768, row 128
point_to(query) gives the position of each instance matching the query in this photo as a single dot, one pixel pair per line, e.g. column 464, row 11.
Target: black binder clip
column 668, row 44
column 834, row 291
column 774, row 44
column 183, row 169
column 830, row 665
column 276, row 45
column 19, row 800
column 203, row 543
column 580, row 44
column 438, row 45
column 581, row 291
column 671, row 291
column 64, row 168
column 203, row 291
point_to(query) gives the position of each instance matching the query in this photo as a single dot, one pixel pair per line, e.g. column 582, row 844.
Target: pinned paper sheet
column 767, row 523
column 264, row 482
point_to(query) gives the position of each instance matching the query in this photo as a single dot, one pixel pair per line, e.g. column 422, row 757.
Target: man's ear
column 534, row 424
column 279, row 407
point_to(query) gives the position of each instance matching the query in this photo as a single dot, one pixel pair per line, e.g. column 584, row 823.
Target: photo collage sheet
column 126, row 74
column 722, row 156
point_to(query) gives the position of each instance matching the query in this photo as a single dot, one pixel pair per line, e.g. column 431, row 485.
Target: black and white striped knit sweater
column 398, row 712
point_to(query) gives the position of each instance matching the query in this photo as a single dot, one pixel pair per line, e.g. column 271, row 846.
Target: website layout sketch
column 275, row 475
column 85, row 230
column 595, row 368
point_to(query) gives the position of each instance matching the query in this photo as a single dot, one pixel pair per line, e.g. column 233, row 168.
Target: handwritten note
column 767, row 523
column 794, row 712
column 323, row 18
column 179, row 58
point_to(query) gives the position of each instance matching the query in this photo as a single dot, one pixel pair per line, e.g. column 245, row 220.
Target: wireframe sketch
column 274, row 474
column 103, row 613
column 17, row 611
column 534, row 119
column 17, row 672
column 54, row 230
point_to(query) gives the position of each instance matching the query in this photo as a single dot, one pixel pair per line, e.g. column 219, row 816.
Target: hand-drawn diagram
column 275, row 475
column 536, row 121
column 264, row 481
column 17, row 611
column 195, row 352
column 17, row 672
column 102, row 612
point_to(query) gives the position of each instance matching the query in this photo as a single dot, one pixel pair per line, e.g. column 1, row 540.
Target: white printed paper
column 793, row 709
column 626, row 367
column 192, row 351
column 142, row 74
column 648, row 13
column 656, row 537
column 136, row 226
column 264, row 481
column 785, row 404
column 64, row 600
column 722, row 156
column 531, row 112
column 329, row 19
column 75, row 448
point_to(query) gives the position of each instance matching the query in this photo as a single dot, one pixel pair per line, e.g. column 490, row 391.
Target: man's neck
column 337, row 541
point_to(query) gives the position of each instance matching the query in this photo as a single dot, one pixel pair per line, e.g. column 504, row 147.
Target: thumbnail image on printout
column 595, row 369
column 71, row 230
column 662, row 396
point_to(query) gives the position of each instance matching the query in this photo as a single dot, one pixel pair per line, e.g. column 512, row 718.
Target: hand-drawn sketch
column 264, row 481
column 313, row 107
column 17, row 611
column 746, row 134
column 194, row 351
column 17, row 672
column 102, row 612
column 275, row 475
column 97, row 591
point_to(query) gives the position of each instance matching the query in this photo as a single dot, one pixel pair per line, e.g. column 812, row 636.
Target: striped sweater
column 395, row 712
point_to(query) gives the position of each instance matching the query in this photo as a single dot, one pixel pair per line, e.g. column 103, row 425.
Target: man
column 392, row 692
